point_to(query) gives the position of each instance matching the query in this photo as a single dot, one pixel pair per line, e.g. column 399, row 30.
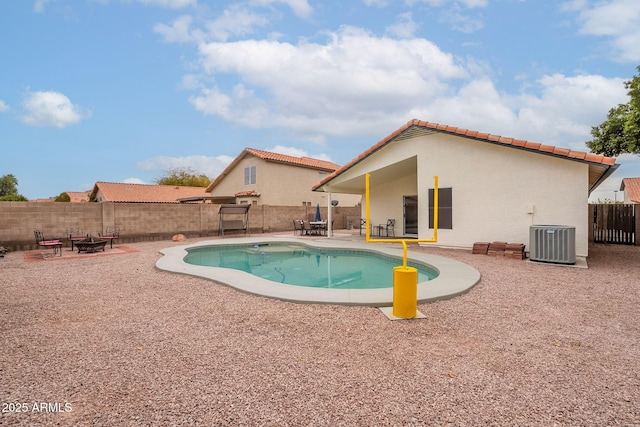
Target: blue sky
column 125, row 90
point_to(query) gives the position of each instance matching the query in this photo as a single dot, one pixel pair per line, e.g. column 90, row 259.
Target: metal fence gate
column 614, row 223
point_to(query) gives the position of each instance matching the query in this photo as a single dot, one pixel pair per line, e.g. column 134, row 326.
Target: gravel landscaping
column 109, row 340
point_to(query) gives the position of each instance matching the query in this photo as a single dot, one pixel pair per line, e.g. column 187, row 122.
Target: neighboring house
column 491, row 188
column 631, row 188
column 145, row 193
column 79, row 196
column 263, row 178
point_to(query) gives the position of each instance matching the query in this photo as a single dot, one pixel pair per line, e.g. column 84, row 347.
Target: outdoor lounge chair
column 56, row 245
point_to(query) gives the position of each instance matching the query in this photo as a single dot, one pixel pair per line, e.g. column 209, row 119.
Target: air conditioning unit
column 552, row 243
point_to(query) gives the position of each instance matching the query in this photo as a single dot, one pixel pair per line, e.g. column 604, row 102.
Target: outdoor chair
column 390, row 227
column 112, row 234
column 306, row 228
column 56, row 245
column 363, row 225
column 297, row 227
column 73, row 235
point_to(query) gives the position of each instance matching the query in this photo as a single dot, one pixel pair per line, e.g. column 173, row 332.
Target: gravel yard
column 109, row 340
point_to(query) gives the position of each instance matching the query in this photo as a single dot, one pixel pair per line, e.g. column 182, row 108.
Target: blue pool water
column 305, row 266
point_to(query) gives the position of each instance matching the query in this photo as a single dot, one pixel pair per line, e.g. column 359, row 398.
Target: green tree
column 620, row 133
column 9, row 189
column 8, row 185
column 13, row 198
column 184, row 176
column 63, row 197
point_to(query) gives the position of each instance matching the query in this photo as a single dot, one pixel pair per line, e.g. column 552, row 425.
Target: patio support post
column 405, row 279
column 329, row 216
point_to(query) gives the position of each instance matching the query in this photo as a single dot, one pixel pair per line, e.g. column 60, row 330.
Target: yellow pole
column 405, row 279
column 405, row 292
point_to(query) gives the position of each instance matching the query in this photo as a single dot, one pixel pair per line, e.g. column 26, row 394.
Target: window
column 445, row 208
column 250, row 175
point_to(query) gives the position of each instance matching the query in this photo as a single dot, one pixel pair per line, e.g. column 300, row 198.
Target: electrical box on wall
column 529, row 208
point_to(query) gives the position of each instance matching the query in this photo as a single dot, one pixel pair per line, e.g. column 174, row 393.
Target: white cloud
column 467, row 3
column 210, row 166
column 619, row 20
column 171, row 4
column 134, row 181
column 300, row 7
column 177, row 32
column 297, row 152
column 38, row 6
column 325, row 88
column 234, row 21
column 51, row 109
column 461, row 22
column 3, row 107
column 556, row 110
column 405, row 27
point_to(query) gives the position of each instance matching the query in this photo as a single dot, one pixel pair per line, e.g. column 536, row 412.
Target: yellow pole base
column 405, row 292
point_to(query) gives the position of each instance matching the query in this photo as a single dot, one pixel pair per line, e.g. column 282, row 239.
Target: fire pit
column 90, row 245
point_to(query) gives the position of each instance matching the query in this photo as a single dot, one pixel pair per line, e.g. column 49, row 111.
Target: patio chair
column 306, row 228
column 56, row 245
column 74, row 234
column 112, row 234
column 390, row 227
column 363, row 225
column 297, row 227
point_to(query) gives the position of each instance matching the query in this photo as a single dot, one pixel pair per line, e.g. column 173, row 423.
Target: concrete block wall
column 141, row 221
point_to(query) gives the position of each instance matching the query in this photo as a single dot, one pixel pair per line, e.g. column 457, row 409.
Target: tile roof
column 480, row 136
column 249, row 193
column 631, row 187
column 306, row 162
column 79, row 196
column 146, row 193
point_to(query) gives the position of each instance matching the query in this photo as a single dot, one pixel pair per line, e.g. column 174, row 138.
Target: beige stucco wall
column 279, row 185
column 494, row 190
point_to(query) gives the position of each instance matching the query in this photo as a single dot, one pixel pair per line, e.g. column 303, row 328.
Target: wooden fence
column 615, row 224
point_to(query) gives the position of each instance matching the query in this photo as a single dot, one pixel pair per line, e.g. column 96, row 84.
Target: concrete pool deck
column 454, row 277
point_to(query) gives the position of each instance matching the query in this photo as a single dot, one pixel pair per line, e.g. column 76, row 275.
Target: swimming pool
column 302, row 265
column 454, row 278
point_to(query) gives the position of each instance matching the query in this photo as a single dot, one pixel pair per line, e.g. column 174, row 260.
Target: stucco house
column 264, row 178
column 631, row 188
column 491, row 188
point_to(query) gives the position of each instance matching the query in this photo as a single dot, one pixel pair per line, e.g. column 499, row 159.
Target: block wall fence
column 145, row 221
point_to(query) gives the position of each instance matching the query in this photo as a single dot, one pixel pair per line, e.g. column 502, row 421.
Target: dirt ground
column 109, row 340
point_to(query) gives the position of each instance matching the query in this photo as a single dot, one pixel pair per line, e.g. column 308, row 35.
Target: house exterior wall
column 498, row 192
column 279, row 185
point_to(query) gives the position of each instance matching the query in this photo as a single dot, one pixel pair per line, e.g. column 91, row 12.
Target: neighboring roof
column 145, row 193
column 631, row 186
column 250, row 193
column 305, row 162
column 79, row 196
column 602, row 166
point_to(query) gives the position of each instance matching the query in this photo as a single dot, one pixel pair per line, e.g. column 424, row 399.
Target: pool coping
column 454, row 278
